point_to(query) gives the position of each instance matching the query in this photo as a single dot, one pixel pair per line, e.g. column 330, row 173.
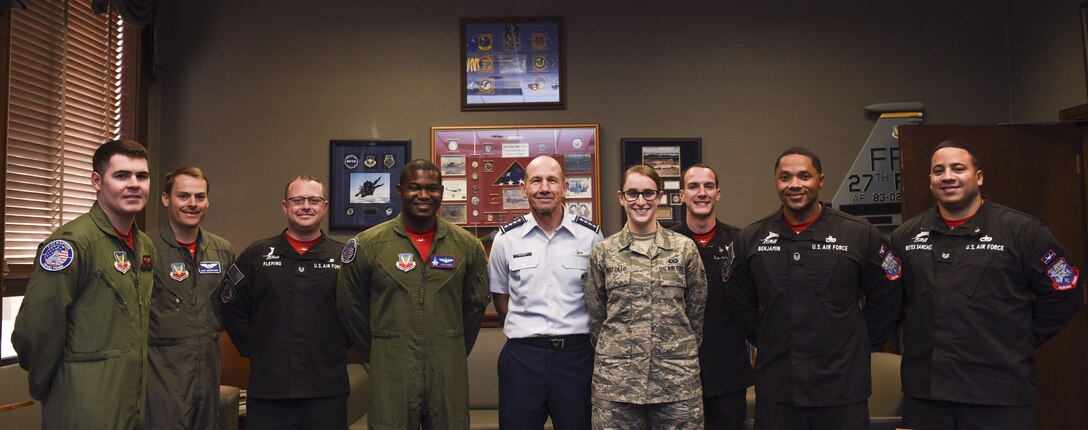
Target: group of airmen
column 648, row 328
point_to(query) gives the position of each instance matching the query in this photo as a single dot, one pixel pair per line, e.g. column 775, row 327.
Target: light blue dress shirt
column 543, row 276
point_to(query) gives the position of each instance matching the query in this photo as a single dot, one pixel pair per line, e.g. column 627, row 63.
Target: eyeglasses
column 632, row 195
column 299, row 201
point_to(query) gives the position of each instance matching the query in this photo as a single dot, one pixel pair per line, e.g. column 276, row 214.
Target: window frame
column 136, row 76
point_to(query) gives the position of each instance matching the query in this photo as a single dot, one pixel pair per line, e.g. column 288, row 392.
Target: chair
column 887, row 399
column 228, row 407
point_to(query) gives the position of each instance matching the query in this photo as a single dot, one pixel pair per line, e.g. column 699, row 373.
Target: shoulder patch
column 1063, row 276
column 227, row 292
column 348, row 254
column 586, row 223
column 57, row 255
column 512, row 224
column 892, row 265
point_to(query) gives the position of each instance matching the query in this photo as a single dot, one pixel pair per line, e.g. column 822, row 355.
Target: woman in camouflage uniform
column 645, row 292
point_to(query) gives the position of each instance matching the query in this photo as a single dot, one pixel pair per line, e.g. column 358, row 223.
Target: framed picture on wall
column 669, row 157
column 512, row 63
column 484, row 169
column 362, row 176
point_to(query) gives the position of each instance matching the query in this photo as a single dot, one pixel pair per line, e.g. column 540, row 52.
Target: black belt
column 554, row 342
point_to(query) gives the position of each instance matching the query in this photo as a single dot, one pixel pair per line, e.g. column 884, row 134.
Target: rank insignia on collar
column 209, row 267
column 1063, row 275
column 178, row 272
column 405, row 262
column 120, row 261
column 443, row 262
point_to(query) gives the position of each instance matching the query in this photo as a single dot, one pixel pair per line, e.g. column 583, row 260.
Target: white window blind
column 67, row 95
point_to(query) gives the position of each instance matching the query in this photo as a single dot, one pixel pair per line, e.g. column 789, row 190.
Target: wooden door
column 1037, row 169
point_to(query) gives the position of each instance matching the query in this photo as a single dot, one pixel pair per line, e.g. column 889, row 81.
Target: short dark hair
column 644, row 170
column 418, row 164
column 800, row 150
column 961, row 145
column 304, row 178
column 684, row 176
column 193, row 171
column 128, row 148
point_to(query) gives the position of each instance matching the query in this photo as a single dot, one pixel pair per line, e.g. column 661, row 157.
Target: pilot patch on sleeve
column 893, row 267
column 57, row 255
column 348, row 254
column 1063, row 276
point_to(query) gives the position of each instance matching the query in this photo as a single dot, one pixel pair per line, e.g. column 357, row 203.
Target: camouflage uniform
column 646, row 322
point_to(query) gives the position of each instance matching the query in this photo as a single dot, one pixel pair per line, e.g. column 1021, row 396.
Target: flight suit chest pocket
column 110, row 287
column 167, row 320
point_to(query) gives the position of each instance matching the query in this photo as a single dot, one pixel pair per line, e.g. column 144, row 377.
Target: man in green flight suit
column 411, row 295
column 81, row 332
column 183, row 385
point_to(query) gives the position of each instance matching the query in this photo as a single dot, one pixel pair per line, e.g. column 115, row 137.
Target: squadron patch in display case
column 351, row 161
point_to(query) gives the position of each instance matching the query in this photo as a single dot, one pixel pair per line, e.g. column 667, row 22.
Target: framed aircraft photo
column 669, row 157
column 362, row 179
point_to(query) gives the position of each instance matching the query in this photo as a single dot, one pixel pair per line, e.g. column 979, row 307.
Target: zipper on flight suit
column 140, row 309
